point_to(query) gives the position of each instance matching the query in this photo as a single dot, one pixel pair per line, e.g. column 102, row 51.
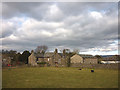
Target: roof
column 61, row 54
column 38, row 55
column 86, row 56
column 107, row 55
column 48, row 54
column 110, row 59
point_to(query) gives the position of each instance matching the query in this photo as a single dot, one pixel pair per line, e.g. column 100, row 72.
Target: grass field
column 51, row 77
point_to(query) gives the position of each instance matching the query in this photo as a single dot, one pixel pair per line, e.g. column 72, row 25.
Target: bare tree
column 65, row 51
column 76, row 51
column 41, row 49
column 66, row 54
column 99, row 58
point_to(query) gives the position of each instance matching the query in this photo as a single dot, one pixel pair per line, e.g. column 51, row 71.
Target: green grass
column 51, row 77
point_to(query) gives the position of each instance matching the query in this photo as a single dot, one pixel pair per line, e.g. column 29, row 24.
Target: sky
column 91, row 27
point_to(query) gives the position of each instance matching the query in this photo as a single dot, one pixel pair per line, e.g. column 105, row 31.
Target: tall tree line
column 17, row 57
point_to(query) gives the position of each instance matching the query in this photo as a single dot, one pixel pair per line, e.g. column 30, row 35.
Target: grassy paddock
column 51, row 77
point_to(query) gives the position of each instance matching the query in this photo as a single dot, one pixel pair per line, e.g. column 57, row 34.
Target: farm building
column 6, row 60
column 50, row 58
column 110, row 59
column 32, row 59
column 76, row 59
column 85, row 59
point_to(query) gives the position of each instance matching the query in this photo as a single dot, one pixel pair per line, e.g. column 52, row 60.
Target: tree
column 17, row 57
column 116, row 57
column 41, row 49
column 9, row 53
column 99, row 58
column 66, row 53
column 76, row 51
column 56, row 51
column 24, row 57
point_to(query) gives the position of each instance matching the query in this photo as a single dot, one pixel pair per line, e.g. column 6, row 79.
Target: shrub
column 41, row 63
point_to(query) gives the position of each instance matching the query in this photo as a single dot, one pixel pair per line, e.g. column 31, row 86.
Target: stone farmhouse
column 83, row 59
column 50, row 58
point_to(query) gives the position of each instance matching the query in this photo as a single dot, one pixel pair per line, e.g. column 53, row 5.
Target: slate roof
column 46, row 55
column 110, row 59
column 38, row 55
column 61, row 54
column 87, row 56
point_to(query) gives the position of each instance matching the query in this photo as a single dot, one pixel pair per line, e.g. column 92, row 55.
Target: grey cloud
column 7, row 30
column 20, row 9
column 72, row 27
column 38, row 10
column 6, row 33
column 76, row 8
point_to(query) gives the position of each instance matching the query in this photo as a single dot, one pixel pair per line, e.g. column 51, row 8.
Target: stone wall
column 32, row 60
column 106, row 66
column 90, row 61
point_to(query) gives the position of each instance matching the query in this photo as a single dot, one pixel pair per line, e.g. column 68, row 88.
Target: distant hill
column 106, row 55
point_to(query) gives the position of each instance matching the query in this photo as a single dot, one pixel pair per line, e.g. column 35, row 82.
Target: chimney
column 64, row 52
column 32, row 51
column 56, row 51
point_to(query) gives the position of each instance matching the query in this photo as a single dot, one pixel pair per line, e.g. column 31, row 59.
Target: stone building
column 60, row 59
column 110, row 59
column 50, row 58
column 5, row 60
column 83, row 59
column 90, row 60
column 76, row 59
column 32, row 59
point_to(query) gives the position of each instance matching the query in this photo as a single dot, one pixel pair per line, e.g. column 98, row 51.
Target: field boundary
column 106, row 66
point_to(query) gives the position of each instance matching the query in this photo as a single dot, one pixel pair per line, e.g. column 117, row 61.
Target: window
column 36, row 59
column 48, row 59
column 59, row 60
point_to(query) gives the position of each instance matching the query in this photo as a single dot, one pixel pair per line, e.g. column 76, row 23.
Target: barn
column 85, row 59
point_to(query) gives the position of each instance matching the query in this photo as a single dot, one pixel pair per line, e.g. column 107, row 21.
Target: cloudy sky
column 90, row 27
